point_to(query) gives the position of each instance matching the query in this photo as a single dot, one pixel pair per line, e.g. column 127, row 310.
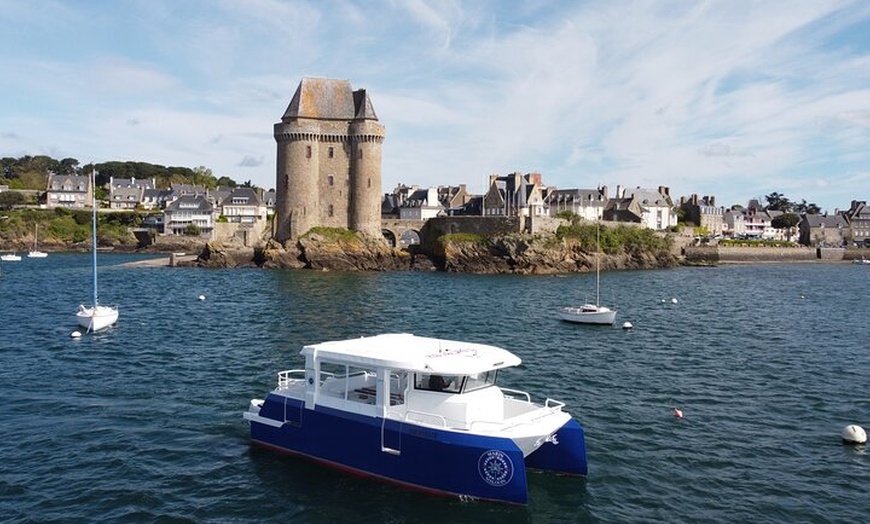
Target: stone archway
column 409, row 237
column 389, row 237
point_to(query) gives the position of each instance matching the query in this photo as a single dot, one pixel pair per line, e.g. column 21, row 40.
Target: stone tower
column 329, row 160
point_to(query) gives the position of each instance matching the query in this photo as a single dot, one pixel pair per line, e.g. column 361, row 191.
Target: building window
column 331, row 152
column 307, row 151
column 369, row 183
column 331, row 212
column 330, row 179
column 286, row 182
column 359, row 153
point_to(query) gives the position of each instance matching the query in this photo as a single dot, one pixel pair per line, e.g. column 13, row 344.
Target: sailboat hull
column 588, row 314
column 96, row 318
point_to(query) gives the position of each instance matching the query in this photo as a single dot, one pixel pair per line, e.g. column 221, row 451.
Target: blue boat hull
column 424, row 458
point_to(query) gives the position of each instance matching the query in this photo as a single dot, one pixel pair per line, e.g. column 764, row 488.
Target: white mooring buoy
column 853, row 434
column 626, row 326
column 202, row 297
column 674, row 301
column 76, row 334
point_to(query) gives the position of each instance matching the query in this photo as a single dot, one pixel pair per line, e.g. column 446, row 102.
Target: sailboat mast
column 94, row 230
column 597, row 263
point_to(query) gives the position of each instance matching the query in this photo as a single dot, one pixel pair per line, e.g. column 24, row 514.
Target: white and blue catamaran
column 420, row 412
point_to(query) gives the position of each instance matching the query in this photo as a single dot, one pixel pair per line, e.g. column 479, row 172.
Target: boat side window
column 437, row 382
column 398, row 382
column 347, row 382
column 480, row 380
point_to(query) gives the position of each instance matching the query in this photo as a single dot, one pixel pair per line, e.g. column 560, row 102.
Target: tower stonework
column 329, row 161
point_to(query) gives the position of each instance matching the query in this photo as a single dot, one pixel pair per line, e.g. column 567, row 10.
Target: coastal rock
column 275, row 256
column 529, row 255
column 509, row 254
column 351, row 253
column 215, row 255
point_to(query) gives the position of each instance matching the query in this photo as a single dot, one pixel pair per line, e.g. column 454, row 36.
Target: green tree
column 778, row 202
column 807, row 209
column 786, row 221
column 226, row 181
column 10, row 199
column 192, row 230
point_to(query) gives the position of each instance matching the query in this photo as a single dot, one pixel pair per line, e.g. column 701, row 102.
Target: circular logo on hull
column 495, row 468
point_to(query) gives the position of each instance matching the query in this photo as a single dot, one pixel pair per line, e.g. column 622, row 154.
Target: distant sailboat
column 35, row 252
column 591, row 313
column 95, row 317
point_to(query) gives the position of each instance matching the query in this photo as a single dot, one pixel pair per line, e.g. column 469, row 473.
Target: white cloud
column 731, row 98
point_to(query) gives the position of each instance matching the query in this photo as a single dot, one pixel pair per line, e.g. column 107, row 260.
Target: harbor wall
column 717, row 254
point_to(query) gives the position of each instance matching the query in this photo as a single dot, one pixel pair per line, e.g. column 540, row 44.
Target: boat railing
column 512, row 392
column 550, row 407
column 434, row 416
column 555, row 405
column 285, row 378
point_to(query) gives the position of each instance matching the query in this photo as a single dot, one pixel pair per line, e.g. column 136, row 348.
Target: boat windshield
column 455, row 383
column 435, row 382
column 480, row 380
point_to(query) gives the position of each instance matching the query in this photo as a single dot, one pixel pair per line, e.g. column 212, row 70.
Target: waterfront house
column 127, row 193
column 514, row 195
column 587, row 204
column 735, row 223
column 153, row 198
column 186, row 211
column 454, row 199
column 242, row 205
column 657, row 210
column 422, row 204
column 704, row 213
column 390, row 206
column 71, row 191
column 623, row 210
column 858, row 218
column 822, row 230
column 177, row 191
column 268, row 199
column 756, row 222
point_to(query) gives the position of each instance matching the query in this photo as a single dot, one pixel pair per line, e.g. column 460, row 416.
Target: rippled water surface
column 142, row 423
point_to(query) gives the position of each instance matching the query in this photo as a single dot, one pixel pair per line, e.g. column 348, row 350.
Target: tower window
column 307, row 151
column 286, row 182
column 369, row 182
column 331, row 212
column 331, row 152
column 359, row 153
column 330, row 179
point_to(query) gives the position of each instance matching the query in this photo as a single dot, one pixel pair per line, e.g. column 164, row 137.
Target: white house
column 657, row 208
column 187, row 210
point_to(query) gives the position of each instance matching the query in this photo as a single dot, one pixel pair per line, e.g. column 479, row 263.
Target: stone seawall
column 724, row 255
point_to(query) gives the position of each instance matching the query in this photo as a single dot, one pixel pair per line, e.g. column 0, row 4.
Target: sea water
column 143, row 422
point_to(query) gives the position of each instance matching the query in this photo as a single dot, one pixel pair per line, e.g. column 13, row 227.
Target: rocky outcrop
column 215, row 255
column 350, row 253
column 517, row 254
column 541, row 255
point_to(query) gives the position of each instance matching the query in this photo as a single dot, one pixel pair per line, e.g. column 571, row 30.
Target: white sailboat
column 95, row 317
column 35, row 252
column 591, row 313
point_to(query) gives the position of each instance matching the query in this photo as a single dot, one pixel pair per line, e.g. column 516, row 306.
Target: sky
column 735, row 99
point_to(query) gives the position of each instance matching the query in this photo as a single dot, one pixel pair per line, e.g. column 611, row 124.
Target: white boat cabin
column 428, row 381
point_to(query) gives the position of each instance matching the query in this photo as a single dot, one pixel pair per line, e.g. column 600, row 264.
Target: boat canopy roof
column 420, row 354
